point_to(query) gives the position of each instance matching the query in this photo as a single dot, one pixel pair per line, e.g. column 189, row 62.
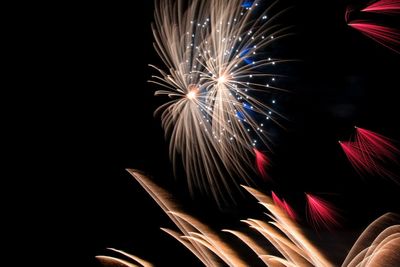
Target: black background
column 100, row 121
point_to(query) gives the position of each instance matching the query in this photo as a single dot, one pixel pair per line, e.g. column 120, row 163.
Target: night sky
column 340, row 79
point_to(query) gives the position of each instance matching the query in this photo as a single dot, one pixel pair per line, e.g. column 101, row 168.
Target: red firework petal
column 320, row 212
column 289, row 210
column 376, row 144
column 278, row 201
column 355, row 156
column 384, row 6
column 262, row 163
column 388, row 37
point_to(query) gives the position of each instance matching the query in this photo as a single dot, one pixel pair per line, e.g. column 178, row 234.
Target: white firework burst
column 215, row 77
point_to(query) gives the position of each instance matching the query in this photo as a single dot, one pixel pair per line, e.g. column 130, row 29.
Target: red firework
column 278, row 201
column 370, row 153
column 386, row 36
column 289, row 210
column 321, row 213
column 384, row 6
column 356, row 157
column 262, row 163
column 374, row 143
column 284, row 206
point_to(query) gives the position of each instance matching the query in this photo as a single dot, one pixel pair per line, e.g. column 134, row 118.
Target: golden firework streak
column 378, row 245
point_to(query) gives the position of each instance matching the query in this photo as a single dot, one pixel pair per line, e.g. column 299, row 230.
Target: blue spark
column 244, row 52
column 248, row 61
column 246, row 106
column 240, row 115
column 247, row 3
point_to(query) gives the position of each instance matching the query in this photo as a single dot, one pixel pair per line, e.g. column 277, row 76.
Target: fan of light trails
column 378, row 245
column 386, row 36
column 355, row 157
column 376, row 144
column 211, row 249
column 214, row 54
column 320, row 212
column 384, row 6
column 262, row 163
column 371, row 153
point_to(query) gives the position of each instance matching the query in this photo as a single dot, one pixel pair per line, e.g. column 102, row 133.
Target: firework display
column 222, row 89
column 217, row 120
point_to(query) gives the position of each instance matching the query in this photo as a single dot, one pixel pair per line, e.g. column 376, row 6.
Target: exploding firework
column 371, row 153
column 261, row 163
column 384, row 6
column 386, row 36
column 376, row 144
column 213, row 50
column 320, row 212
column 378, row 245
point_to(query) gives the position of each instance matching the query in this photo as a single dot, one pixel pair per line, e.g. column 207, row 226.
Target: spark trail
column 386, row 36
column 262, row 163
column 372, row 153
column 320, row 212
column 384, row 6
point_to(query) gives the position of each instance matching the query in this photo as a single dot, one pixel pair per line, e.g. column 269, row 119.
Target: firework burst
column 382, row 34
column 320, row 212
column 261, row 163
column 386, row 36
column 384, row 6
column 372, row 153
column 216, row 76
column 376, row 246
